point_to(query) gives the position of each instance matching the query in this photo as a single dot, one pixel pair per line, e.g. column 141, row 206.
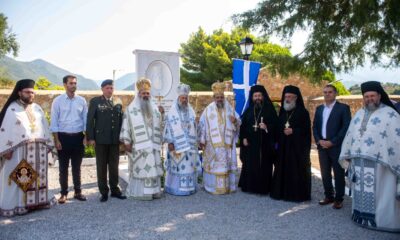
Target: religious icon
column 23, row 175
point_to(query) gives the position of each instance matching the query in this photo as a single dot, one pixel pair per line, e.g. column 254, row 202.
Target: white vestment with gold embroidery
column 27, row 138
column 219, row 135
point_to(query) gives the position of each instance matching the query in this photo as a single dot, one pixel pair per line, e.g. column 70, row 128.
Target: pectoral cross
column 255, row 126
column 33, row 127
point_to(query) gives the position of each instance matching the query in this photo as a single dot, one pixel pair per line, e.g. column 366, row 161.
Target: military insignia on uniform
column 23, row 175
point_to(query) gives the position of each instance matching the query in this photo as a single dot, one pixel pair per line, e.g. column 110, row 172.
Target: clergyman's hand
column 288, row 131
column 161, row 109
column 263, row 126
column 202, row 145
column 232, row 118
column 245, row 142
column 128, row 147
column 8, row 155
column 171, row 147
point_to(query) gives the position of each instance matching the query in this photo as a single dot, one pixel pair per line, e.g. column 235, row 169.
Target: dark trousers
column 72, row 149
column 328, row 160
column 107, row 155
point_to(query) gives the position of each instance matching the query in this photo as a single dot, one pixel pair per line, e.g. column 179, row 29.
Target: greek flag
column 245, row 74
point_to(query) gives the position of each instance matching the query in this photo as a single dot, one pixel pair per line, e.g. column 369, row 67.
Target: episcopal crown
column 218, row 87
column 143, row 84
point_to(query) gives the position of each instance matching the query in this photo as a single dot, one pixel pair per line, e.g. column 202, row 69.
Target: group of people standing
column 274, row 148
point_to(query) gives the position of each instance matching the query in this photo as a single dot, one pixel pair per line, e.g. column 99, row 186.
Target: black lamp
column 246, row 47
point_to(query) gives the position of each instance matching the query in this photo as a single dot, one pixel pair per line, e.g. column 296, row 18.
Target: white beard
column 289, row 106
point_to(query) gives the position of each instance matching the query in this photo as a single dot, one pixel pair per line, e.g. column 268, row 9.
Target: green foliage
column 43, row 83
column 6, row 82
column 8, row 41
column 89, row 152
column 390, row 88
column 208, row 58
column 341, row 89
column 342, row 34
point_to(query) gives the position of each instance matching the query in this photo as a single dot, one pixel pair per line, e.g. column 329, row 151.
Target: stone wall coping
column 98, row 92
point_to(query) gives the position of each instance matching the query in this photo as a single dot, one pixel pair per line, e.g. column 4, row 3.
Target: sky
column 95, row 37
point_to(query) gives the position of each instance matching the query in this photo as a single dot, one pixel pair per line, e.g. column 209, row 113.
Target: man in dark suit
column 329, row 128
column 104, row 122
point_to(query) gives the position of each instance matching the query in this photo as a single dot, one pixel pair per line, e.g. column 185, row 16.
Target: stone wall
column 198, row 100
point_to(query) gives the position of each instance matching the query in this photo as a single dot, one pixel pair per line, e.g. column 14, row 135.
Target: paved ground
column 201, row 216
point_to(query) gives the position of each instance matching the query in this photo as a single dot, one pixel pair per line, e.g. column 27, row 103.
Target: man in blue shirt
column 68, row 123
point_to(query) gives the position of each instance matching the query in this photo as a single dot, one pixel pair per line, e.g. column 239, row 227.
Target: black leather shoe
column 325, row 201
column 80, row 197
column 119, row 196
column 104, row 198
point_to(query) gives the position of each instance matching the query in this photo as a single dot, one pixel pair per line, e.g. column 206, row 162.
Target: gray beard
column 289, row 106
column 146, row 108
column 183, row 107
column 372, row 106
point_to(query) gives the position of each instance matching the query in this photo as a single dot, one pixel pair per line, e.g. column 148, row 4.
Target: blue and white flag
column 245, row 74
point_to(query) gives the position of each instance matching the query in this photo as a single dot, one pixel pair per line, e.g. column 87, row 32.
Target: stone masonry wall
column 198, row 100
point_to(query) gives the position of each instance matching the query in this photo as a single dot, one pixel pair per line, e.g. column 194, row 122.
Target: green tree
column 8, row 41
column 5, row 80
column 42, row 83
column 208, row 58
column 342, row 34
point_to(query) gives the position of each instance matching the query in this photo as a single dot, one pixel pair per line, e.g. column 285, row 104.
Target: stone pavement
column 200, row 216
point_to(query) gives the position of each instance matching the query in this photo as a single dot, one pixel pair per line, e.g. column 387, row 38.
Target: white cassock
column 183, row 163
column 370, row 152
column 145, row 167
column 219, row 136
column 25, row 132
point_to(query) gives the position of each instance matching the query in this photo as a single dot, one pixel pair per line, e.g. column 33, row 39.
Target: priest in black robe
column 292, row 173
column 258, row 138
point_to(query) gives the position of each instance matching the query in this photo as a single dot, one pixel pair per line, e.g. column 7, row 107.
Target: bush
column 89, row 152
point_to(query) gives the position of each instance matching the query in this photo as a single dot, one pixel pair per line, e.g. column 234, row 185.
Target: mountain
column 125, row 82
column 36, row 68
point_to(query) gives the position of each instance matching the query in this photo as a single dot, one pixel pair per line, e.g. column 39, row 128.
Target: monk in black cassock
column 258, row 138
column 292, row 173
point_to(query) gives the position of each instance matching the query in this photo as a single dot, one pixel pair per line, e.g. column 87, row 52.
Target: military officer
column 104, row 122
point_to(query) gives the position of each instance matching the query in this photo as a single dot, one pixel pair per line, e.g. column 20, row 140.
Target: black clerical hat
column 294, row 90
column 20, row 85
column 374, row 86
column 107, row 82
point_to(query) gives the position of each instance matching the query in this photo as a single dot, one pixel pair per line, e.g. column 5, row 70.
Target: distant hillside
column 125, row 82
column 34, row 69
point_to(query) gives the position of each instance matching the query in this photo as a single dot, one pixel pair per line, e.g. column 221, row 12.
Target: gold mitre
column 218, row 87
column 143, row 84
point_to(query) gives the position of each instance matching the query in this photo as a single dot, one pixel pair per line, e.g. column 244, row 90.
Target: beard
column 220, row 105
column 145, row 107
column 183, row 106
column 289, row 106
column 258, row 104
column 25, row 100
column 372, row 106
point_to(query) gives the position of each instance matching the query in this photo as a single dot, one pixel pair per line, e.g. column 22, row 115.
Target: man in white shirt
column 68, row 123
column 331, row 121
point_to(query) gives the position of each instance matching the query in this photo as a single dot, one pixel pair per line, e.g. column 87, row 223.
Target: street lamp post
column 246, row 47
column 114, row 71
